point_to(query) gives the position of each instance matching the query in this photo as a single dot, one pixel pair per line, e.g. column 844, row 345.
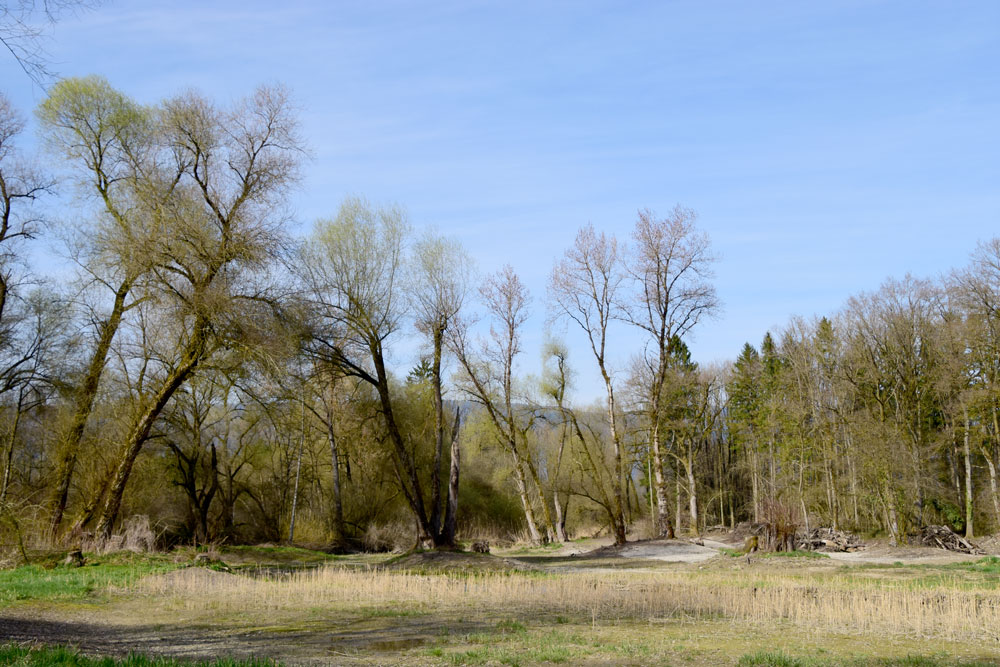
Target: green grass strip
column 21, row 656
column 779, row 659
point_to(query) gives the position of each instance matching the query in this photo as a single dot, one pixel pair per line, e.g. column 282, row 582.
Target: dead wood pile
column 943, row 537
column 828, row 539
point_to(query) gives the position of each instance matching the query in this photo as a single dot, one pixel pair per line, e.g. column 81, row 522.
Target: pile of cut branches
column 943, row 537
column 828, row 539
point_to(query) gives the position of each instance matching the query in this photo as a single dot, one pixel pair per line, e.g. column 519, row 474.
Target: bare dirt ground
column 669, row 551
column 319, row 643
column 103, row 638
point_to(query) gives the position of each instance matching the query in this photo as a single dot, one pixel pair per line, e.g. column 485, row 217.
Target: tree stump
column 74, row 559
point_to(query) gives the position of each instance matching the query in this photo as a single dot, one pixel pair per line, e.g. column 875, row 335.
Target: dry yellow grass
column 835, row 603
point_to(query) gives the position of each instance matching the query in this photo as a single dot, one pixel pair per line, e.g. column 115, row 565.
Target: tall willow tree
column 442, row 275
column 215, row 227
column 355, row 273
column 112, row 148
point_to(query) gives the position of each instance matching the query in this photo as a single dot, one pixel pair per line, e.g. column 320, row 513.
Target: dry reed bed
column 834, row 603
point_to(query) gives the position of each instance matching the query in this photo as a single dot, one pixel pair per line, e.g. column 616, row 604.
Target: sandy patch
column 672, row 551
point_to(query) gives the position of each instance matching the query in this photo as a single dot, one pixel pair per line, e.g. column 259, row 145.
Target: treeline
column 195, row 364
column 883, row 416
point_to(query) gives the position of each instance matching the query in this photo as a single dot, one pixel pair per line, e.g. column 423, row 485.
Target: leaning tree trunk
column 408, row 477
column 93, row 505
column 522, row 491
column 84, row 404
column 550, row 530
column 140, row 431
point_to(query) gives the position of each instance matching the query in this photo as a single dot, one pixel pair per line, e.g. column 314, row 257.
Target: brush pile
column 943, row 537
column 828, row 539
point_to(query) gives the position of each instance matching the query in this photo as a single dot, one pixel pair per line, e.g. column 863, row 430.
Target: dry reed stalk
column 136, row 535
column 834, row 604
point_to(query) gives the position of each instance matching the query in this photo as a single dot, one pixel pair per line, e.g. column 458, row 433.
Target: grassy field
column 302, row 607
column 45, row 580
column 22, row 656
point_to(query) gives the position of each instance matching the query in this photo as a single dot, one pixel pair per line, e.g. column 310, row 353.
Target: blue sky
column 825, row 146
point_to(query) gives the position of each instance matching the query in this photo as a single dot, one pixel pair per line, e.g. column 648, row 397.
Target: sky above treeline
column 825, row 146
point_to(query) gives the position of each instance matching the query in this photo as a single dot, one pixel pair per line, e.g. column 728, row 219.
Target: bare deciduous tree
column 106, row 138
column 585, row 288
column 222, row 229
column 488, row 378
column 353, row 270
column 671, row 265
column 23, row 25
